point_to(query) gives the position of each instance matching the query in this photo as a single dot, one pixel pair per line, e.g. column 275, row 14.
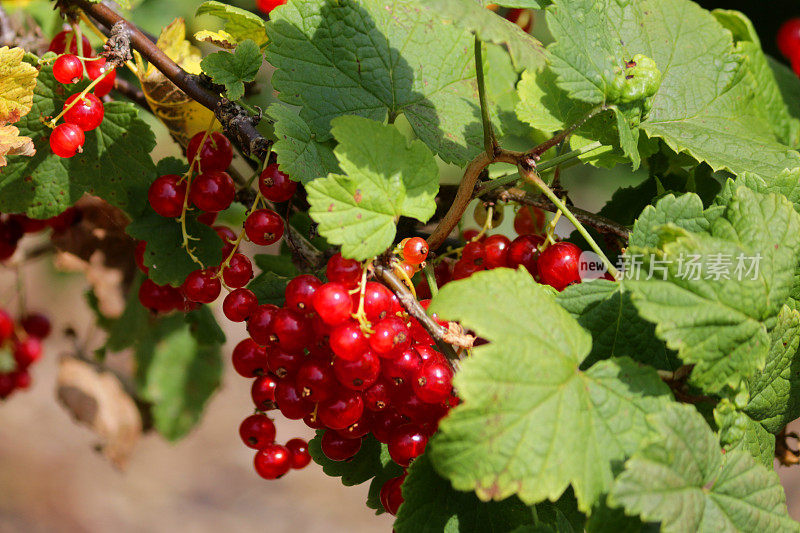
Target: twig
column 445, row 338
column 558, row 138
column 131, row 92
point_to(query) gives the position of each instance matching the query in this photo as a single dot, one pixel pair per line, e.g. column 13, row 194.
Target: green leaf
column 168, row 261
column 737, row 431
column 431, row 505
column 234, row 69
column 239, row 23
column 682, row 480
column 204, row 326
column 685, row 211
column 180, row 377
column 788, row 85
column 524, row 397
column 134, row 322
column 269, row 288
column 300, row 155
column 718, row 324
column 384, row 177
column 392, row 61
column 115, row 163
column 604, row 308
column 775, row 391
column 278, row 264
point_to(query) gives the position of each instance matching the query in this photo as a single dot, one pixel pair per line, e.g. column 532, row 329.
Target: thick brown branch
column 444, row 337
column 513, row 194
column 236, row 123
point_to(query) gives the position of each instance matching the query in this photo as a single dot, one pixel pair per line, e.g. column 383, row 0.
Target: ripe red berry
column 212, row 191
column 249, row 359
column 290, row 400
column 332, row 303
column 59, row 44
column 257, row 431
column 529, row 220
column 406, row 443
column 273, row 461
column 348, row 341
column 299, row 453
column 358, row 374
column 377, row 398
column 21, row 379
column 228, row 238
column 201, row 286
column 275, row 185
column 316, row 381
column 344, row 271
column 359, row 428
column 87, row 114
column 216, row 154
column 558, row 265
column 300, row 293
column 159, row 298
column 97, row 68
column 68, row 69
column 433, row 381
column 266, row 6
column 259, row 325
column 524, row 251
column 239, row 304
column 377, row 301
column 789, row 38
column 239, row 271
column 495, row 251
column 6, row 326
column 66, row 140
column 292, row 329
column 263, row 392
column 464, row 269
column 469, row 234
column 415, row 250
column 166, row 195
column 36, row 325
column 337, row 448
column 391, row 495
column 208, row 219
column 385, row 422
column 27, row 352
column 282, row 363
column 403, row 368
column 342, row 410
column 473, row 252
column 390, row 336
column 7, row 385
column 264, row 227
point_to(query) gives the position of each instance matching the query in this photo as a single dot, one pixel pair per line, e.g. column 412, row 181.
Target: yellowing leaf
column 17, row 81
column 12, row 143
column 219, row 38
column 180, row 114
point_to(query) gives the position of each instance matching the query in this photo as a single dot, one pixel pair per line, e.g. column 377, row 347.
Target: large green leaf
column 378, row 60
column 115, row 163
column 384, row 176
column 234, row 69
column 682, row 479
column 685, row 211
column 524, row 397
column 737, row 431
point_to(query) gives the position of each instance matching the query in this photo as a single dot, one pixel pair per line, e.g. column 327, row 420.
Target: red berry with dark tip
column 66, row 140
column 524, row 251
column 59, row 44
column 292, row 329
column 264, row 227
column 239, row 271
column 97, row 68
column 343, row 409
column 316, row 381
column 391, row 494
column 299, row 453
column 300, row 293
column 558, row 265
column 358, row 374
column 257, row 431
column 282, row 363
column 263, row 392
column 36, row 325
column 249, row 359
column 201, row 286
column 390, row 336
column 348, row 341
column 68, row 69
column 259, row 325
column 239, row 304
column 433, row 381
column 415, row 250
column 275, row 185
column 337, row 448
column 406, row 443
column 87, row 113
column 290, row 400
column 495, row 251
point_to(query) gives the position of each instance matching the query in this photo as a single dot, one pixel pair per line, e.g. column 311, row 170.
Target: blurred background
column 51, row 479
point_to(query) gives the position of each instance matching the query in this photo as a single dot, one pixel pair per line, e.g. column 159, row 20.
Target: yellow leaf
column 17, row 81
column 219, row 38
column 182, row 116
column 12, row 143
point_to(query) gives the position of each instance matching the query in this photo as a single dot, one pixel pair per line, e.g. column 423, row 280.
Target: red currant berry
column 312, row 420
column 378, row 397
column 529, row 220
column 66, row 140
column 239, row 271
column 406, row 443
column 344, row 271
column 524, row 251
column 21, row 379
column 263, row 392
column 212, row 191
column 259, row 325
column 332, row 303
column 359, row 374
column 789, row 38
column 415, row 250
column 391, row 494
column 377, row 301
column 6, row 326
column 403, row 368
column 249, row 359
column 216, row 154
column 59, row 44
column 68, row 69
column 495, row 251
column 390, row 337
column 558, row 265
column 27, row 352
column 273, row 461
column 384, row 423
column 257, row 431
column 29, row 225
column 65, row 220
column 348, row 341
column 266, row 6
column 10, row 234
column 316, row 381
column 264, row 227
column 141, row 248
column 282, row 363
column 337, row 448
column 473, row 252
column 159, row 298
column 300, row 293
column 7, row 385
column 275, row 185
column 228, row 239
column 166, row 195
column 433, row 381
column 464, row 269
column 208, row 219
column 87, row 114
column 341, row 410
column 201, row 286
column 97, row 68
column 299, row 453
column 36, row 325
column 359, row 428
column 239, row 304
column 468, row 234
column 292, row 329
column 290, row 400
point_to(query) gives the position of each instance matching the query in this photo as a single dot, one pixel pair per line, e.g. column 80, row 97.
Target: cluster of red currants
column 14, row 227
column 345, row 357
column 82, row 111
column 212, row 191
column 556, row 265
column 22, row 340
